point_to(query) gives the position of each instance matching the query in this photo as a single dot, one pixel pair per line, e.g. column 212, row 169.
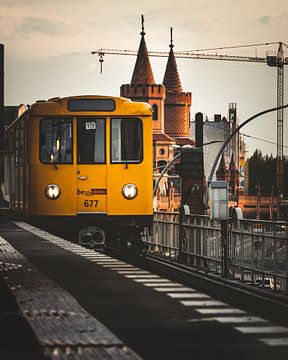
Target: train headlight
column 52, row 191
column 130, row 191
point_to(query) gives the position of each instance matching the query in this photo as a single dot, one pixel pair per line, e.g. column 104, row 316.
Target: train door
column 91, row 165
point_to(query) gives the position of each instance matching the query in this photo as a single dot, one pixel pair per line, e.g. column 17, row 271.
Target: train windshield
column 90, row 140
column 126, row 140
column 56, row 140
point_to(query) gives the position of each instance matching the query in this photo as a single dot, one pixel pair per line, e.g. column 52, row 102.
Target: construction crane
column 274, row 59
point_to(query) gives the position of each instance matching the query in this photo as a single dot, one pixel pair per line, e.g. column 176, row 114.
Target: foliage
column 262, row 171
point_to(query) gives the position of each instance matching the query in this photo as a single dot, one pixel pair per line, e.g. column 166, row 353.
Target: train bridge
column 63, row 301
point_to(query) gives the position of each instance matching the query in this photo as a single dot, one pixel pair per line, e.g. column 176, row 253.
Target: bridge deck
column 70, row 296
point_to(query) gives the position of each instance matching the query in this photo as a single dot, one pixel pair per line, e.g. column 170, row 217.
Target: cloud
column 13, row 27
column 17, row 3
column 47, row 26
column 8, row 27
column 178, row 16
column 277, row 19
column 264, row 20
column 282, row 18
column 11, row 3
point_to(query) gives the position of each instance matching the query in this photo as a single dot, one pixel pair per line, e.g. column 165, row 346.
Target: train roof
column 77, row 105
column 108, row 105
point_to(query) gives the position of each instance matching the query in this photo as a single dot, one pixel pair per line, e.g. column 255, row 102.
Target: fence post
column 242, row 230
column 274, row 255
column 252, row 252
column 286, row 282
column 224, row 229
column 263, row 247
column 232, row 238
column 180, row 234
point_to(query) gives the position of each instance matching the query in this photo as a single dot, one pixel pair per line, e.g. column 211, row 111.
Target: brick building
column 171, row 117
column 171, row 125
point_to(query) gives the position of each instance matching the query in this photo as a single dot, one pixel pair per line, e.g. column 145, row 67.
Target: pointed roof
column 171, row 78
column 232, row 166
column 222, row 164
column 222, row 172
column 142, row 73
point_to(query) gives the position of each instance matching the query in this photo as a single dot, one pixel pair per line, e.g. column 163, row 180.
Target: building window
column 162, row 151
column 155, row 112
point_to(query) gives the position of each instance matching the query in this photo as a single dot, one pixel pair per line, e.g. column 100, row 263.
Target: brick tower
column 143, row 88
column 177, row 103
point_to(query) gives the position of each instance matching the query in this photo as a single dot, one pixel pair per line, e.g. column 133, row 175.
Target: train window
column 126, row 140
column 91, row 105
column 90, row 140
column 56, row 140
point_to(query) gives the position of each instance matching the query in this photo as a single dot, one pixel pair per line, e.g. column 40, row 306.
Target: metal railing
column 257, row 250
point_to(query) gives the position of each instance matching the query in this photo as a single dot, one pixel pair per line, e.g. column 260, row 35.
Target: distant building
column 10, row 114
column 215, row 132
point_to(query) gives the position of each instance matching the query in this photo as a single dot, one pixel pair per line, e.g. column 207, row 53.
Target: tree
column 262, row 171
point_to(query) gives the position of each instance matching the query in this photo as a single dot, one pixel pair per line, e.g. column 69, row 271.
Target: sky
column 48, row 46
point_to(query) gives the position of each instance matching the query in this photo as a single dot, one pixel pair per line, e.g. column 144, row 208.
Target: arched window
column 155, row 112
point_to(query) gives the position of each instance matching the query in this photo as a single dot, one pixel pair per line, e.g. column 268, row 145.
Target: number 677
column 90, row 203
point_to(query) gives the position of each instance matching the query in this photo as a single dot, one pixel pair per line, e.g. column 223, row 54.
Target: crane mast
column 280, row 115
column 272, row 59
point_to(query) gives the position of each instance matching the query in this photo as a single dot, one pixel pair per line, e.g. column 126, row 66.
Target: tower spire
column 171, row 78
column 142, row 22
column 142, row 73
column 177, row 102
column 171, row 38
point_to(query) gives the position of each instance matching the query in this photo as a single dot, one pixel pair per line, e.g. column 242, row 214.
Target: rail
column 257, row 250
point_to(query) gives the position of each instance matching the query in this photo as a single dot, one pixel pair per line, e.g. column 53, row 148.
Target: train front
column 93, row 168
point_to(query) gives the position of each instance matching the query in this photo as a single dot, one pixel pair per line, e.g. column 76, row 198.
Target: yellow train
column 84, row 162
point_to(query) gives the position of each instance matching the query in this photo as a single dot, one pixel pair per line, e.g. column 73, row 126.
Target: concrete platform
column 155, row 317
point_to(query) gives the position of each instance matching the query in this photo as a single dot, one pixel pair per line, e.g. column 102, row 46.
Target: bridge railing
column 257, row 251
column 165, row 238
